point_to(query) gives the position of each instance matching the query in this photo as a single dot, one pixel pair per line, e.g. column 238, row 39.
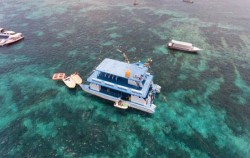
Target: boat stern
column 196, row 49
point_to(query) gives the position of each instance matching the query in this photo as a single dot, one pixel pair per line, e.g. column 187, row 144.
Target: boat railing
column 109, row 84
column 137, row 92
column 97, row 80
column 123, row 88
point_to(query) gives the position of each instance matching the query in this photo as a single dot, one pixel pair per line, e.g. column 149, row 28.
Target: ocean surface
column 202, row 111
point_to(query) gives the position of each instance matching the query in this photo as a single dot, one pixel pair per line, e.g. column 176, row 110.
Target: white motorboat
column 188, row 47
column 13, row 38
column 9, row 37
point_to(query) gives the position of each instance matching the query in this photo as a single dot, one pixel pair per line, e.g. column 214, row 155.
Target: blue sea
column 203, row 109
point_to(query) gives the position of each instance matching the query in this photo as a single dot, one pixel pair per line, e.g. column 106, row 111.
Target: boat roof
column 119, row 68
column 121, row 87
column 182, row 43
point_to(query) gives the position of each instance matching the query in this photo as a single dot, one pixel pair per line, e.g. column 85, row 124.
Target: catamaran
column 127, row 85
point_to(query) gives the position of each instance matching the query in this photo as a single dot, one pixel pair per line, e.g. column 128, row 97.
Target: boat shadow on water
column 174, row 52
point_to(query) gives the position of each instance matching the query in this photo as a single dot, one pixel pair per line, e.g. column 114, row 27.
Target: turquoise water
column 202, row 111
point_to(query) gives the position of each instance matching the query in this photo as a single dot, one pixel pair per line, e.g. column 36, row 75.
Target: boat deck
column 118, row 68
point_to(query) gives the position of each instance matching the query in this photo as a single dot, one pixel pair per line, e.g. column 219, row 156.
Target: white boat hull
column 193, row 50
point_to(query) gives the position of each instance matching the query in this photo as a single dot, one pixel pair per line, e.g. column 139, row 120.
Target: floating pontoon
column 69, row 82
column 76, row 78
column 58, row 76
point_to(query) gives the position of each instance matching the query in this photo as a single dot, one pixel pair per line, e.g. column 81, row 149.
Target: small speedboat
column 178, row 45
column 11, row 38
column 69, row 82
column 120, row 104
column 76, row 78
column 188, row 1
